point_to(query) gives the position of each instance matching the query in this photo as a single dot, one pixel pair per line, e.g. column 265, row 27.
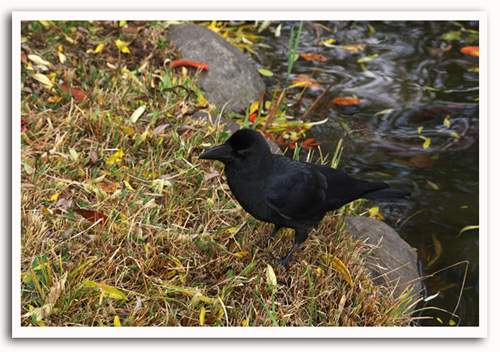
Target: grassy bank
column 122, row 225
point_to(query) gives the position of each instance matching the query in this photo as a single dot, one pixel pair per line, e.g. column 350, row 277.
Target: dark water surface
column 420, row 78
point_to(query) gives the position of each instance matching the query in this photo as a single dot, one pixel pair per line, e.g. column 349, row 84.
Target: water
column 418, row 80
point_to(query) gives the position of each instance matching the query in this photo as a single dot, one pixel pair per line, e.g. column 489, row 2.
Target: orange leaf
column 309, row 82
column 313, row 57
column 347, row 101
column 177, row 63
column 471, row 50
column 78, row 94
column 91, row 215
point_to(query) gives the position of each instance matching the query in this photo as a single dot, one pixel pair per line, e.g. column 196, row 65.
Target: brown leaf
column 91, row 215
column 422, row 160
column 77, row 93
column 211, row 175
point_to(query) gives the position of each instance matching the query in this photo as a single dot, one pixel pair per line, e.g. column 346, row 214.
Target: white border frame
column 245, row 332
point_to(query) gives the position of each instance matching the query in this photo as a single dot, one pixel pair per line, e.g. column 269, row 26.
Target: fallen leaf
column 354, row 48
column 183, row 63
column 470, row 50
column 304, row 80
column 313, row 57
column 347, row 101
column 91, row 215
column 77, row 93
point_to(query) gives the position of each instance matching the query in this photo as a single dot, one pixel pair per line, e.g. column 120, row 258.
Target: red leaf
column 91, row 215
column 471, row 50
column 77, row 93
column 313, row 57
column 347, row 101
column 177, row 63
column 22, row 123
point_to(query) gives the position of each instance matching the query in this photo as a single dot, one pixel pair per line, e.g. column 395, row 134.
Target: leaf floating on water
column 354, row 48
column 433, row 185
column 470, row 50
column 347, row 101
column 265, row 73
column 367, row 58
column 467, row 228
column 313, row 57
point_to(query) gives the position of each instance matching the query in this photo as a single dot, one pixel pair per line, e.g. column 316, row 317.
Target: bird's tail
column 387, row 193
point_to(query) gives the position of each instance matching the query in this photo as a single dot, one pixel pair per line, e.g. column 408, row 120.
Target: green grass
column 171, row 247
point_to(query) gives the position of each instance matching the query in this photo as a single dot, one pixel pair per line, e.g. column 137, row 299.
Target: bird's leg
column 271, row 237
column 300, row 236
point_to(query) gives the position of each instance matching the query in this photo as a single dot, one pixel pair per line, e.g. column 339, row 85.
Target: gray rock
column 231, row 78
column 392, row 262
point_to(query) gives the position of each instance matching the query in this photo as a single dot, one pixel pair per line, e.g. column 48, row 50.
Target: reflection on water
column 418, row 86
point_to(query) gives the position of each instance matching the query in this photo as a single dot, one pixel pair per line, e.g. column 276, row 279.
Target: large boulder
column 392, row 262
column 231, row 79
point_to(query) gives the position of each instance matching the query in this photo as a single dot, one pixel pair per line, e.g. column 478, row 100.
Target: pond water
column 417, row 86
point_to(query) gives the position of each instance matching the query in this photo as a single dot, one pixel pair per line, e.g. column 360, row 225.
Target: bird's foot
column 275, row 261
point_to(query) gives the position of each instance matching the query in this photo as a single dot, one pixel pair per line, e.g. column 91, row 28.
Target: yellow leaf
column 427, row 143
column 122, row 23
column 62, row 58
column 452, row 323
column 453, row 134
column 244, row 322
column 419, row 129
column 106, row 290
column 128, row 130
column 73, row 154
column 439, row 320
column 271, row 276
column 54, row 197
column 367, row 58
column 374, row 213
column 44, row 80
column 467, row 228
column 433, row 185
column 98, row 48
column 432, row 89
column 202, row 315
column 241, row 254
column 39, row 61
column 265, row 72
column 115, row 158
column 137, row 113
column 128, row 186
column 116, row 321
column 338, row 266
column 446, row 121
column 123, row 46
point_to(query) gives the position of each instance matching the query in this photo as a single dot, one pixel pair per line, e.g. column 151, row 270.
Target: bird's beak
column 222, row 153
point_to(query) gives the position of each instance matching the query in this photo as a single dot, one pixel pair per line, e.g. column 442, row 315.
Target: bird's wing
column 295, row 189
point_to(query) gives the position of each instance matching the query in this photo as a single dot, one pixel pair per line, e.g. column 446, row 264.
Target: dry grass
column 176, row 249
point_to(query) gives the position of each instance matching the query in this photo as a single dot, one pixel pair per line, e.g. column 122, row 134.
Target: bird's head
column 245, row 147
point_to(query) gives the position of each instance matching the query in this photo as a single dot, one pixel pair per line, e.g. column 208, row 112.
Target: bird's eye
column 243, row 153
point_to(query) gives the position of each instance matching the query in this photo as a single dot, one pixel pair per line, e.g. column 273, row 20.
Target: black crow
column 286, row 192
